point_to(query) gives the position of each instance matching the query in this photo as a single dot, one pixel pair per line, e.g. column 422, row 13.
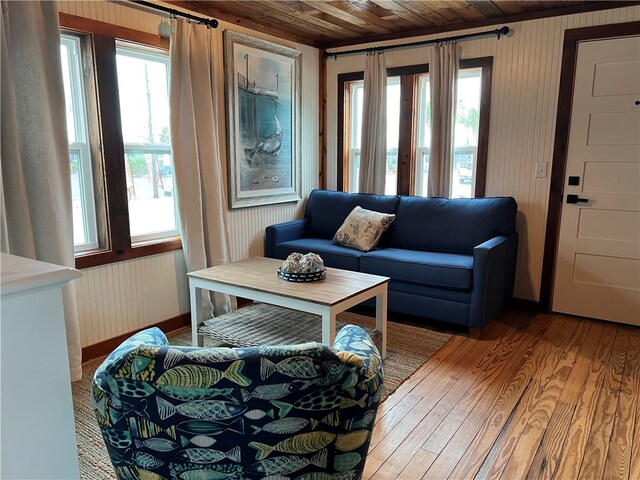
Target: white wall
column 524, row 97
column 118, row 298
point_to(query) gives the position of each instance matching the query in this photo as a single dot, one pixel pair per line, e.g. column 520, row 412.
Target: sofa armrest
column 282, row 232
column 494, row 266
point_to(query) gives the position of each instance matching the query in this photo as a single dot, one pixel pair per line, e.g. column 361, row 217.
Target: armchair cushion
column 188, row 412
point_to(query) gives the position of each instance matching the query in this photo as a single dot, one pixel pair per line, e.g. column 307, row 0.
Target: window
column 465, row 137
column 85, row 233
column 117, row 105
column 143, row 86
column 409, row 129
column 424, row 136
column 393, row 125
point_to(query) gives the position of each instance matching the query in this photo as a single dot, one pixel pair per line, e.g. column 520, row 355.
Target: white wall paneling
column 524, row 97
column 118, row 298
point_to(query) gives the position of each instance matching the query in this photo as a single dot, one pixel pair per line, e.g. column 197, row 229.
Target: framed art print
column 263, row 99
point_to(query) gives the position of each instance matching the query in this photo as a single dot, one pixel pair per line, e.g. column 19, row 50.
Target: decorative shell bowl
column 302, row 268
column 302, row 277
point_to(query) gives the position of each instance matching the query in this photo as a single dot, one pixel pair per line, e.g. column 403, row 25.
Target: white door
column 598, row 263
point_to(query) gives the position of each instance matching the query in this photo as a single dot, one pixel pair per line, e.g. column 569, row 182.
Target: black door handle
column 575, row 199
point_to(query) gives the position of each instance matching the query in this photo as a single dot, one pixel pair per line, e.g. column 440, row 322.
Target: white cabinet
column 37, row 428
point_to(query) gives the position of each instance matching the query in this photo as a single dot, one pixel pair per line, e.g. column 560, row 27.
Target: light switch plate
column 541, row 169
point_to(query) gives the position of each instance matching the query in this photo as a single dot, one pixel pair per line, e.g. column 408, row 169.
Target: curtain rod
column 498, row 32
column 209, row 22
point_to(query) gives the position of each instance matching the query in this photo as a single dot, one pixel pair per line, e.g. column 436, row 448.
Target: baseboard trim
column 527, row 305
column 105, row 347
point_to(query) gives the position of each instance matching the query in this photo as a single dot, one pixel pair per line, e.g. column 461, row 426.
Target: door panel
column 617, row 78
column 607, row 271
column 598, row 260
column 611, row 177
column 598, row 224
column 613, row 129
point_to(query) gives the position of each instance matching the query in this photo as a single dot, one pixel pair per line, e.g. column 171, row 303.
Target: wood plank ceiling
column 332, row 23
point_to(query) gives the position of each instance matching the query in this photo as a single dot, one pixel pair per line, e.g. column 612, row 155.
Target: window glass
column 393, row 132
column 144, row 105
column 467, row 123
column 85, row 235
column 424, row 136
column 465, row 136
column 356, row 93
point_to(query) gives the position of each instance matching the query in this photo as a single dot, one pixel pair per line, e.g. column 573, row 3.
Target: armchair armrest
column 494, row 266
column 150, row 336
column 362, row 394
column 282, row 232
column 354, row 345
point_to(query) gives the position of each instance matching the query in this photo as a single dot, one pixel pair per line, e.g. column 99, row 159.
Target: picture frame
column 263, row 105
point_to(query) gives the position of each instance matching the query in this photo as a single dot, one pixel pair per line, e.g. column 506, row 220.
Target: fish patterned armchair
column 275, row 412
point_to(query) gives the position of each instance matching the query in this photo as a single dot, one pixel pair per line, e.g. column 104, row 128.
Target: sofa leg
column 475, row 332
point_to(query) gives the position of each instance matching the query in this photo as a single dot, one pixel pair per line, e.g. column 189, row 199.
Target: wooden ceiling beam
column 483, row 22
column 234, row 17
column 296, row 17
column 320, row 15
column 422, row 9
column 460, row 11
column 487, row 8
column 375, row 10
column 308, row 13
column 334, row 23
column 554, row 4
column 531, row 5
column 371, row 13
column 402, row 12
column 508, row 7
column 329, row 9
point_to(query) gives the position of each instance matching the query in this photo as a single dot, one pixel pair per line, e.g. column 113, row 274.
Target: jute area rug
column 408, row 347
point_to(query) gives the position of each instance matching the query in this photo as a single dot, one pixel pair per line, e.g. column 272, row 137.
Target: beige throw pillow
column 362, row 229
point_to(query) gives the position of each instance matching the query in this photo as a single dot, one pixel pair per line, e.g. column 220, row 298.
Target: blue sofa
column 450, row 260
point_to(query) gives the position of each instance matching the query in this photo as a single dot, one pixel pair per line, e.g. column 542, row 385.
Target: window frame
column 408, row 135
column 106, row 141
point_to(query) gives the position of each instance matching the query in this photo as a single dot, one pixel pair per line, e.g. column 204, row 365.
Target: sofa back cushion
column 327, row 209
column 452, row 225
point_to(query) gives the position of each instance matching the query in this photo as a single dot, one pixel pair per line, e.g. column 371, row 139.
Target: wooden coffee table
column 256, row 279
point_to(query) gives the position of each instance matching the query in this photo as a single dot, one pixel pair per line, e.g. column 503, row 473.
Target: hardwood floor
column 538, row 396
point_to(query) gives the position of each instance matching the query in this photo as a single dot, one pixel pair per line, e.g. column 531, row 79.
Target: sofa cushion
column 335, row 256
column 435, row 269
column 326, row 210
column 363, row 228
column 451, row 225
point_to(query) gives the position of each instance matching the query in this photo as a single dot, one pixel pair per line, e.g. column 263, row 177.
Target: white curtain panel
column 443, row 78
column 36, row 208
column 198, row 170
column 373, row 153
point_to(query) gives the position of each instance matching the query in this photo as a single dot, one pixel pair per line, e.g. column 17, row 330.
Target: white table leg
column 195, row 294
column 381, row 321
column 328, row 325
